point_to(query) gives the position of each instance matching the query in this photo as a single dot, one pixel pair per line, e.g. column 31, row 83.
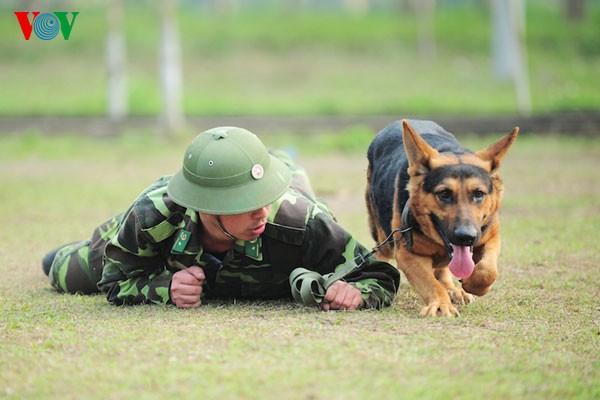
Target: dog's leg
column 419, row 272
column 457, row 295
column 486, row 270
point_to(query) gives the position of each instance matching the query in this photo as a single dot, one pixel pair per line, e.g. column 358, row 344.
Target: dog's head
column 456, row 195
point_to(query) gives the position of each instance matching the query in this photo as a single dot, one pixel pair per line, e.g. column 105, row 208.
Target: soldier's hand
column 342, row 296
column 186, row 287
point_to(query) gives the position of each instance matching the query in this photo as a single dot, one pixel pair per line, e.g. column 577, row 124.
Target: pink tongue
column 462, row 264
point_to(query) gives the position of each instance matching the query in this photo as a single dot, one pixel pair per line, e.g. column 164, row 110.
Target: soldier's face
column 246, row 226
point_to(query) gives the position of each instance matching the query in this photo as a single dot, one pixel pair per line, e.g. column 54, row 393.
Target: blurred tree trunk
column 574, row 9
column 508, row 48
column 425, row 14
column 403, row 6
column 116, row 62
column 170, row 69
column 225, row 7
column 357, row 7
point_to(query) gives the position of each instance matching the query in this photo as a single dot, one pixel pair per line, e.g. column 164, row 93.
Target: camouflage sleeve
column 328, row 247
column 134, row 272
column 134, row 269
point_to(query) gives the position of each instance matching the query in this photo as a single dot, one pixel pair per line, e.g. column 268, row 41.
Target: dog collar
column 408, row 224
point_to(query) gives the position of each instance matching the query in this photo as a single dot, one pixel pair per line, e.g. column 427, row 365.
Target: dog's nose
column 465, row 235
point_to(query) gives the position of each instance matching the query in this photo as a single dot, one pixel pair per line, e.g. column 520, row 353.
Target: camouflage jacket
column 143, row 247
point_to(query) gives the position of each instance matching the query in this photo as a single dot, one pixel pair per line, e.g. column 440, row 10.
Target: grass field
column 535, row 336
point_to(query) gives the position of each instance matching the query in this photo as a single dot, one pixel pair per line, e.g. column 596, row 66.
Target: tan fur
column 425, row 265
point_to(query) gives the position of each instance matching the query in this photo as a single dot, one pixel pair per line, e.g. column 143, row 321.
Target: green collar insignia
column 253, row 249
column 182, row 241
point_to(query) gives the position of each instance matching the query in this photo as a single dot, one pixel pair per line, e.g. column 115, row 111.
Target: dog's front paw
column 459, row 296
column 439, row 308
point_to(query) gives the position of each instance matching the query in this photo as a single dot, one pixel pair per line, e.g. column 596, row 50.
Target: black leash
column 387, row 240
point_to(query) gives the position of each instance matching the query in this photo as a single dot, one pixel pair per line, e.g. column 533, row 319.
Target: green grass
column 535, row 336
column 271, row 62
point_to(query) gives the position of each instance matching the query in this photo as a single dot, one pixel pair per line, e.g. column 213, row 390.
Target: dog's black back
column 387, row 160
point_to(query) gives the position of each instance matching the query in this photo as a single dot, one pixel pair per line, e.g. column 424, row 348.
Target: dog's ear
column 418, row 152
column 494, row 153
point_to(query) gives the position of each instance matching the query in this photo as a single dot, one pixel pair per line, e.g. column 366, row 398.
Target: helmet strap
column 222, row 227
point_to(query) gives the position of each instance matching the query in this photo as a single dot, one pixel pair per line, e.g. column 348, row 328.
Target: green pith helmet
column 228, row 170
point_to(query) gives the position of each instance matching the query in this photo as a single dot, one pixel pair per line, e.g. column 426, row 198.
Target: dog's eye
column 445, row 196
column 478, row 195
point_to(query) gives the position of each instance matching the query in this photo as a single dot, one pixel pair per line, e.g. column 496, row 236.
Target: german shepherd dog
column 440, row 201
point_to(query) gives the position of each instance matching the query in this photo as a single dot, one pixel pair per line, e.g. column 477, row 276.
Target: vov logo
column 47, row 25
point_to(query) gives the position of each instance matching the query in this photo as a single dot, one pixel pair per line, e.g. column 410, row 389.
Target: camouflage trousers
column 77, row 267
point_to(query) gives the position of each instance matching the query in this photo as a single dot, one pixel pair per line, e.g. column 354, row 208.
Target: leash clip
column 385, row 242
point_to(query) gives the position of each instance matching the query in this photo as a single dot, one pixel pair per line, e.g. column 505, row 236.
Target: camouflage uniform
column 133, row 256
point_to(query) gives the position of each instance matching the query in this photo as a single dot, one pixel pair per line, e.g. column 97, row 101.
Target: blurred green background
column 310, row 62
column 299, row 57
